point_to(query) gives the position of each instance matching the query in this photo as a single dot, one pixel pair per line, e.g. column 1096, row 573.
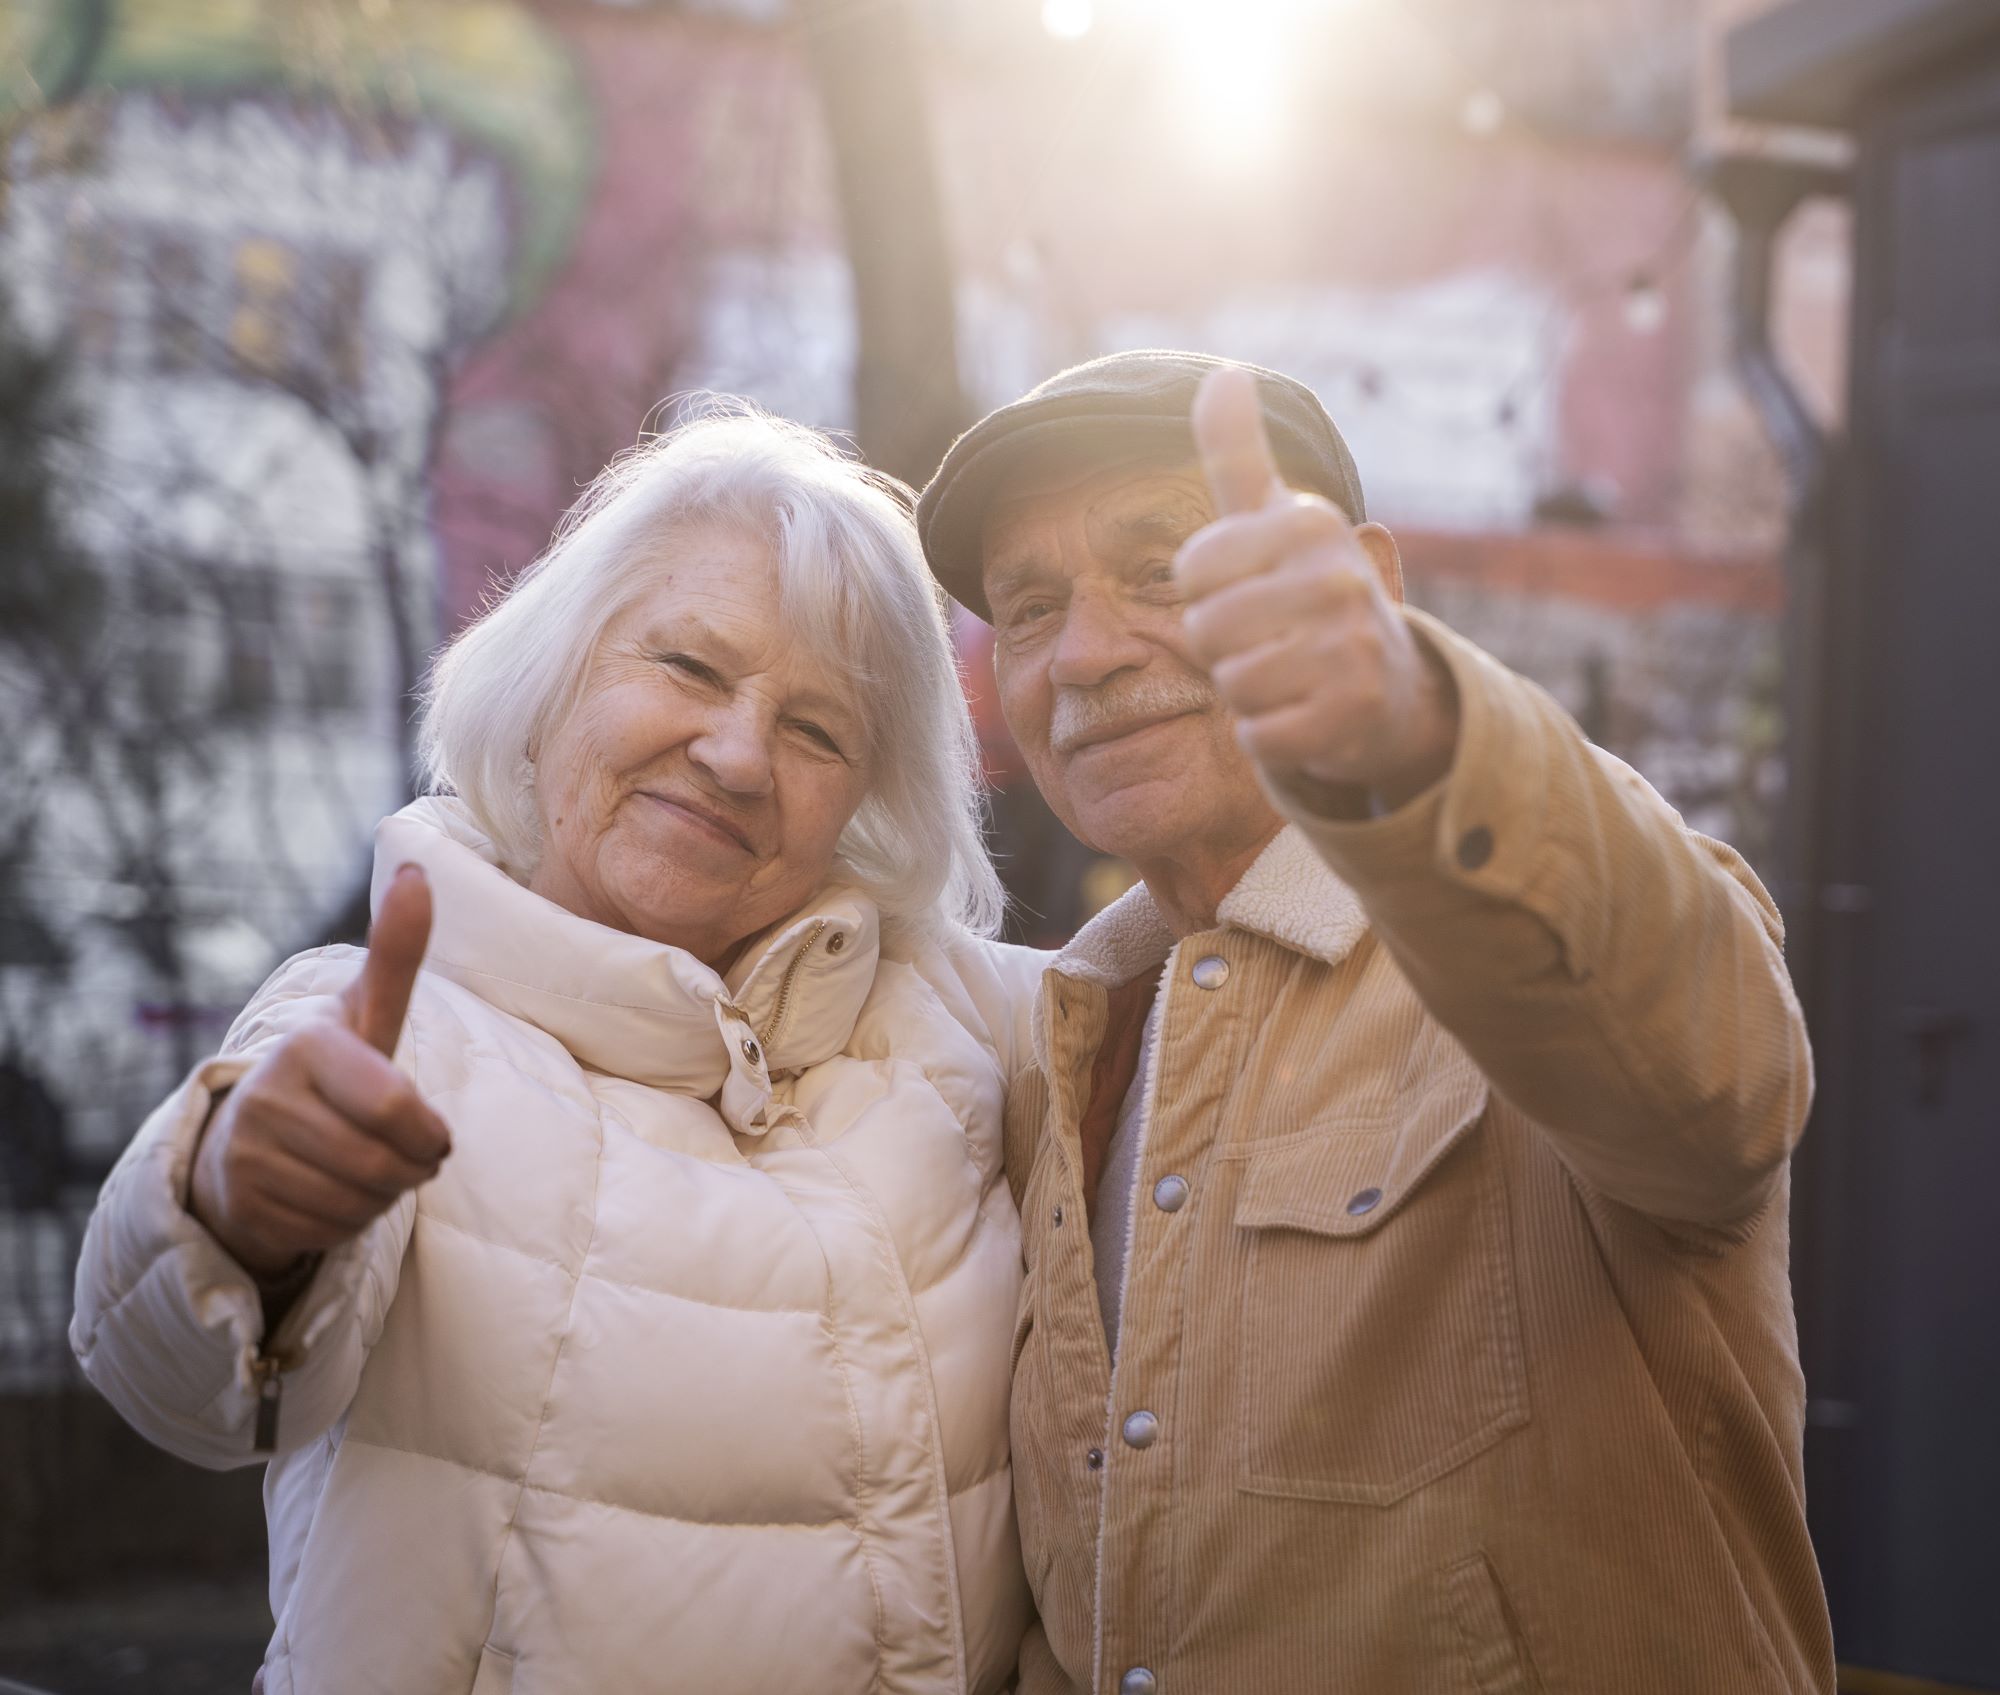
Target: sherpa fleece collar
column 1289, row 895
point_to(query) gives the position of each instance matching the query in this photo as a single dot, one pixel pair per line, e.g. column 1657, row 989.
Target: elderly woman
column 624, row 1302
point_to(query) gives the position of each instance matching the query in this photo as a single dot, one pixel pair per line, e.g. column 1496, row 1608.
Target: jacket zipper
column 784, row 1004
column 267, row 1374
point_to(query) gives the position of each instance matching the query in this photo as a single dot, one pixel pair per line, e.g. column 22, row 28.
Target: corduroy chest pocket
column 1381, row 1340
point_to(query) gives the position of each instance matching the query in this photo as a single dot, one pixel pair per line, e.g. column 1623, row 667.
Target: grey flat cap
column 1119, row 404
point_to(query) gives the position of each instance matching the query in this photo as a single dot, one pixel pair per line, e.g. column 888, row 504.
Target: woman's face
column 696, row 792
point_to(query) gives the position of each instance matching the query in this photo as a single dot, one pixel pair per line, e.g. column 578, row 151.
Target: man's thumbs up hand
column 323, row 1133
column 1287, row 610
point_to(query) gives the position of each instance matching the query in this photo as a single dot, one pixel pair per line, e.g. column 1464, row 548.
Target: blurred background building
column 316, row 314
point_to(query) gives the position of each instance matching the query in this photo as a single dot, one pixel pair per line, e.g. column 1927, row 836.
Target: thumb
column 377, row 1001
column 1234, row 446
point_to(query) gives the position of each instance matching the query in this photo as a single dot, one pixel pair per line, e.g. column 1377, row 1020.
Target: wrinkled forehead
column 1119, row 503
column 733, row 597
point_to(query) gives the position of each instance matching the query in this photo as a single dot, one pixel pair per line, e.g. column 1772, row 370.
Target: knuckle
column 242, row 1162
column 381, row 1170
column 1198, row 624
column 1311, row 517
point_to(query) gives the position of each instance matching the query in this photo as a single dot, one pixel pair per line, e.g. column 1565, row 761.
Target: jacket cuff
column 1483, row 824
column 222, row 1294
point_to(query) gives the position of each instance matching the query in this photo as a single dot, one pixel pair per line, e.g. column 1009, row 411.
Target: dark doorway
column 1901, row 1309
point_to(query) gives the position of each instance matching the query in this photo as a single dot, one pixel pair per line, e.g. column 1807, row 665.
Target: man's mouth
column 1099, row 735
column 716, row 823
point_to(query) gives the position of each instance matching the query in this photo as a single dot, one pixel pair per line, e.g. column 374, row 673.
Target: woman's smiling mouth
column 702, row 818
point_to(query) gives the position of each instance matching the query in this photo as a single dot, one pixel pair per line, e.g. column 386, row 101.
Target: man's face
column 1120, row 726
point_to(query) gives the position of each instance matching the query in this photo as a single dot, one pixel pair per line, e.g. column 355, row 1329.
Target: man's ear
column 1384, row 555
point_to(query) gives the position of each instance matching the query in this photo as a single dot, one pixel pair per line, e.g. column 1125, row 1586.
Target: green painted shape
column 488, row 70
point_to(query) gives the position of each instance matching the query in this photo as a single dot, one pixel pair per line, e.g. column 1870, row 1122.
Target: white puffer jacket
column 641, row 1393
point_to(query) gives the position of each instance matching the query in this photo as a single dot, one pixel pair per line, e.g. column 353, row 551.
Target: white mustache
column 1083, row 713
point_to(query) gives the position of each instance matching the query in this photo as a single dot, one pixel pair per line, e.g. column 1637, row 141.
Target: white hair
column 852, row 586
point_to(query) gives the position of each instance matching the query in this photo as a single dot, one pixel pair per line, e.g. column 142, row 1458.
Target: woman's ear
column 1385, row 556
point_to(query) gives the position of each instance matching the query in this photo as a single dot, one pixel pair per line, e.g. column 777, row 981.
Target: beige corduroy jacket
column 1464, row 1363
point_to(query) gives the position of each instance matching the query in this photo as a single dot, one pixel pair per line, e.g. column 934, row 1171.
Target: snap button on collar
column 1211, row 971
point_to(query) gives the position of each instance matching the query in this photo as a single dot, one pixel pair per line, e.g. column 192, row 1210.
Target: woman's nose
column 734, row 748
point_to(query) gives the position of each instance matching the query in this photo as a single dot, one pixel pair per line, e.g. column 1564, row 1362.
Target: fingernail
column 407, row 868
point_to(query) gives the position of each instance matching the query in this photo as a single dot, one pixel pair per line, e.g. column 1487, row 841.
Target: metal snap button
column 1094, row 1459
column 1056, row 1215
column 1366, row 1201
column 751, row 1051
column 1138, row 1681
column 1170, row 1194
column 1141, row 1430
column 1475, row 847
column 1211, row 971
column 836, row 941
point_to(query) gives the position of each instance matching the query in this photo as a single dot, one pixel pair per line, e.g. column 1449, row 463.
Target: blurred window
column 177, row 301
column 250, row 638
column 325, row 630
column 300, row 316
column 161, row 660
column 93, row 283
column 343, row 289
column 266, row 282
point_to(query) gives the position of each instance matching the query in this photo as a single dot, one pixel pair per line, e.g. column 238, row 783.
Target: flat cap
column 1122, row 403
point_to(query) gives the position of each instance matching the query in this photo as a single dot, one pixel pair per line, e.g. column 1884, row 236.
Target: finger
column 1234, row 445
column 1321, row 599
column 1247, row 544
column 1278, row 673
column 289, row 1232
column 282, row 1180
column 371, row 1094
column 1309, row 736
column 309, row 1130
column 378, row 1000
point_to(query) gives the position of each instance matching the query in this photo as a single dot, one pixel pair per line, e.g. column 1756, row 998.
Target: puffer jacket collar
column 628, row 1006
column 1289, row 896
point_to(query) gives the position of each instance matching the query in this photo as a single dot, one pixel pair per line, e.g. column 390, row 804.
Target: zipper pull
column 268, row 1376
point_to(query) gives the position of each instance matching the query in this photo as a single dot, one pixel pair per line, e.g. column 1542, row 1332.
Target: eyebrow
column 1159, row 523
column 693, row 631
column 1017, row 574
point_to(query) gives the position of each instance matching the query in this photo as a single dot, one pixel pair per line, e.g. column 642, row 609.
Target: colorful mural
column 487, row 71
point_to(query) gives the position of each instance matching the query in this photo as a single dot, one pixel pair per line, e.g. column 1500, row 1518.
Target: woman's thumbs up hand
column 323, row 1133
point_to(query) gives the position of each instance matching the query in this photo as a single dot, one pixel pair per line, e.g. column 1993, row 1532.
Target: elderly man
column 1404, row 1175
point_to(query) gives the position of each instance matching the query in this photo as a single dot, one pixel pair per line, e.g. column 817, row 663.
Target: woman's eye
column 813, row 733
column 688, row 666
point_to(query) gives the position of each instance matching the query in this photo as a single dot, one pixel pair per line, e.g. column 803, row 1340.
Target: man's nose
column 1097, row 640
column 734, row 747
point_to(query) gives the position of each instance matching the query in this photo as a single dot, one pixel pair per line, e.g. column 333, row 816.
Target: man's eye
column 1029, row 610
